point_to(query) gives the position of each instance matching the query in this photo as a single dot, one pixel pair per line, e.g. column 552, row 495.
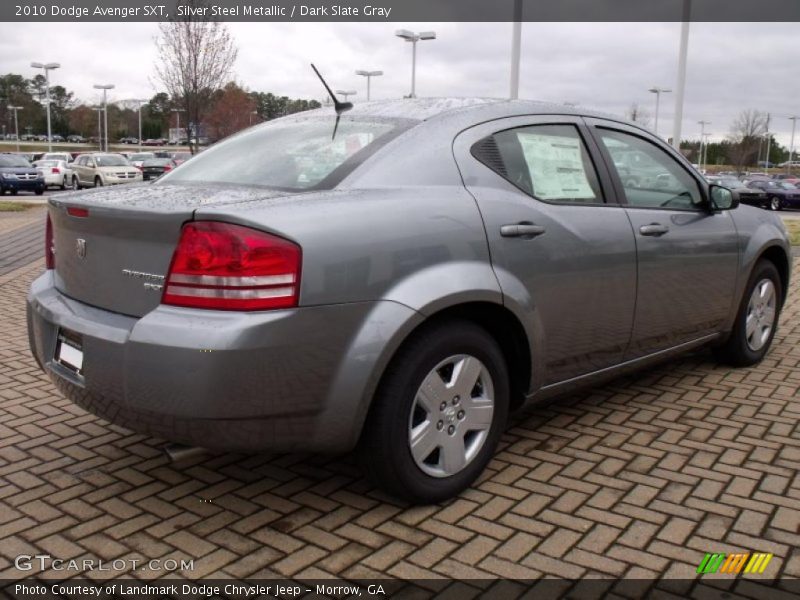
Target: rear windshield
column 296, row 154
column 13, row 161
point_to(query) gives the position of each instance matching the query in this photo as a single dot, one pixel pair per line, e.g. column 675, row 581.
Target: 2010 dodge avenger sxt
column 396, row 284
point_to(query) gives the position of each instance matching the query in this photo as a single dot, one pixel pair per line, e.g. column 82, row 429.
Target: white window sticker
column 556, row 166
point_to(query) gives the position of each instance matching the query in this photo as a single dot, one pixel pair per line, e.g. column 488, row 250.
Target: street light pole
column 346, row 93
column 369, row 75
column 47, row 67
column 105, row 88
column 793, row 119
column 702, row 142
column 705, row 148
column 140, row 102
column 516, row 44
column 412, row 37
column 99, row 110
column 681, row 84
column 658, row 91
column 769, row 142
column 16, row 122
column 178, row 126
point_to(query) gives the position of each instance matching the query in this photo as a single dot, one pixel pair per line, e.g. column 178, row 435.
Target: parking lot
column 636, row 479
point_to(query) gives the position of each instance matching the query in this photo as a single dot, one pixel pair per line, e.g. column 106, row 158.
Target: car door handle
column 654, row 229
column 523, row 230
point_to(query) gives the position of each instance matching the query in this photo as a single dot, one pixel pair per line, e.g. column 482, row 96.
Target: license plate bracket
column 69, row 351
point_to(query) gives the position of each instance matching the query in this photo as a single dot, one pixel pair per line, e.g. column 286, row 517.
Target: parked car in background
column 747, row 195
column 129, row 140
column 292, row 289
column 17, row 174
column 153, row 168
column 181, row 157
column 57, row 138
column 153, row 142
column 779, row 193
column 98, row 169
column 56, row 172
column 76, row 139
column 137, row 158
column 793, row 163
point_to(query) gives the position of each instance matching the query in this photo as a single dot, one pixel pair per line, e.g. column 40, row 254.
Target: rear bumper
column 272, row 381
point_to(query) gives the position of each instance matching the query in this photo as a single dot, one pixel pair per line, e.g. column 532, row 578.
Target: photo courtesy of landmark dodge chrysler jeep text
column 396, row 279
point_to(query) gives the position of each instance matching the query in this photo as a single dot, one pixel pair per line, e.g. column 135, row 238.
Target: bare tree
column 638, row 114
column 195, row 57
column 746, row 132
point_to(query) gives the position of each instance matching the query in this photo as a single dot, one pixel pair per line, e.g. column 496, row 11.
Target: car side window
column 549, row 162
column 650, row 177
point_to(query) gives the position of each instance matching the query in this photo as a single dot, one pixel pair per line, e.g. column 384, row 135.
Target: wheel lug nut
column 461, row 414
column 439, row 425
column 443, row 405
column 451, row 430
column 456, row 400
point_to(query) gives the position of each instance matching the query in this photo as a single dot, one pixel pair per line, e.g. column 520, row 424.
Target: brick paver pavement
column 638, row 478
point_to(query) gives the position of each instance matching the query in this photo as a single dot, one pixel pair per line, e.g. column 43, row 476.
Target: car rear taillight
column 230, row 267
column 167, row 168
column 49, row 251
column 55, row 170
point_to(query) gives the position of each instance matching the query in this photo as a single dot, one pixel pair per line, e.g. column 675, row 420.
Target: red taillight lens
column 229, row 267
column 55, row 170
column 49, row 253
column 74, row 211
column 167, row 168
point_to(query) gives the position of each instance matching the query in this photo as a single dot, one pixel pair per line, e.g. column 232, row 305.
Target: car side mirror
column 722, row 198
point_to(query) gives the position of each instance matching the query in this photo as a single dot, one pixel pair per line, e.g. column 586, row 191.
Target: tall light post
column 793, row 119
column 369, row 75
column 705, row 148
column 140, row 103
column 346, row 93
column 105, row 87
column 702, row 141
column 769, row 142
column 178, row 112
column 658, row 91
column 47, row 67
column 16, row 122
column 677, row 121
column 412, row 37
column 516, row 45
column 99, row 110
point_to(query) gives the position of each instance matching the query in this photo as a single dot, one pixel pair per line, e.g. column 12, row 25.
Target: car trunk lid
column 113, row 247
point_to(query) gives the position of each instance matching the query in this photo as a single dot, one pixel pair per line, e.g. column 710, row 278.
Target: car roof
column 424, row 109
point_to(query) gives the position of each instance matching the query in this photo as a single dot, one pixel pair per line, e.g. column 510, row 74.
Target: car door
column 688, row 255
column 560, row 248
column 79, row 167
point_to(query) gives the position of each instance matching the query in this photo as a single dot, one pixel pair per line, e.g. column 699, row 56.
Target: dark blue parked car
column 16, row 174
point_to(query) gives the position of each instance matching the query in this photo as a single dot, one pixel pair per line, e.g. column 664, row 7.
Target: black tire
column 14, row 192
column 76, row 185
column 63, row 185
column 385, row 448
column 39, row 192
column 736, row 351
column 98, row 182
column 2, row 191
column 775, row 203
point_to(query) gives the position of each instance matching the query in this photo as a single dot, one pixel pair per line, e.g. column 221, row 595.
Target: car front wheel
column 775, row 203
column 75, row 184
column 98, row 182
column 757, row 319
column 438, row 414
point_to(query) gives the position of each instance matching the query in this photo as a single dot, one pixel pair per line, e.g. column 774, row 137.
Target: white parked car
column 138, row 158
column 56, row 173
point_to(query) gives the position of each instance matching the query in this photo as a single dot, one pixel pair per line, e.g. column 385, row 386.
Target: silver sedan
column 397, row 280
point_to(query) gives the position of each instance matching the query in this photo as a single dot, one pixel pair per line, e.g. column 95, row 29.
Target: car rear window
column 295, row 154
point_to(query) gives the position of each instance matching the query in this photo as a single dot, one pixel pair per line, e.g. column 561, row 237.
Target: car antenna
column 339, row 107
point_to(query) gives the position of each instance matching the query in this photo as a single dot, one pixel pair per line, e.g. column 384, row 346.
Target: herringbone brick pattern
column 638, row 478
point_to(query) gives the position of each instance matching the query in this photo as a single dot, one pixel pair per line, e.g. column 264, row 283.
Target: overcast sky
column 607, row 66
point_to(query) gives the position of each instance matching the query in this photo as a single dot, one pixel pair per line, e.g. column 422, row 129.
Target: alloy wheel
column 761, row 311
column 451, row 416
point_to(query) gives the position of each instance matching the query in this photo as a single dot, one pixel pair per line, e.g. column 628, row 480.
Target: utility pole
column 793, row 119
column 769, row 141
column 16, row 122
column 516, row 44
column 679, row 88
column 702, row 142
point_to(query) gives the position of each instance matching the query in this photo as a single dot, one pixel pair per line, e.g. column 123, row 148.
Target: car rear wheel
column 438, row 414
column 775, row 203
column 98, row 182
column 757, row 319
column 75, row 183
column 40, row 191
column 63, row 185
